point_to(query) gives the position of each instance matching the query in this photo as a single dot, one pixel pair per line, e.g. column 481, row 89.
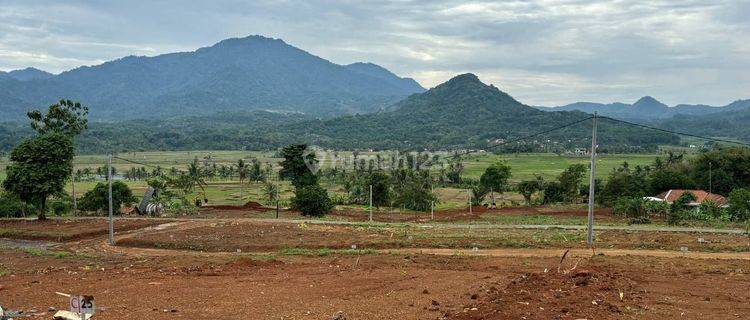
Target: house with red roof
column 701, row 196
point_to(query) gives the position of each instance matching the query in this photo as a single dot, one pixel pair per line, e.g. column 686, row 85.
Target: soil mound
column 590, row 294
column 250, row 205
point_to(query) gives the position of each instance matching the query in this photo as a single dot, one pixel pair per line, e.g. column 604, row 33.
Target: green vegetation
column 39, row 168
column 312, row 200
column 309, row 197
column 97, row 199
column 723, row 171
column 41, row 165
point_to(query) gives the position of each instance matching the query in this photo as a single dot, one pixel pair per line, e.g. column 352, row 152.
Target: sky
column 542, row 52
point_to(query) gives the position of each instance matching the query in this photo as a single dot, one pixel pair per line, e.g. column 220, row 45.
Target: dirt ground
column 187, row 286
column 255, row 210
column 249, row 269
column 65, row 230
column 251, row 236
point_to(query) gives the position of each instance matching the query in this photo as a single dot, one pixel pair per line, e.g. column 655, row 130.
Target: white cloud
column 540, row 51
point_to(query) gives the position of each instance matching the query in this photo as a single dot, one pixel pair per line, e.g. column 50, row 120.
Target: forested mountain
column 222, row 131
column 239, row 74
column 27, row 74
column 648, row 108
column 728, row 124
column 460, row 113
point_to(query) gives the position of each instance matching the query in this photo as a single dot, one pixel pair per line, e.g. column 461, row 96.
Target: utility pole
column 370, row 203
column 710, row 177
column 468, row 193
column 277, row 201
column 432, row 204
column 592, row 180
column 73, row 183
column 111, row 219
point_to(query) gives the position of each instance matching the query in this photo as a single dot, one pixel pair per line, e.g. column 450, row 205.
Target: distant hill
column 733, row 124
column 26, row 74
column 462, row 112
column 648, row 109
column 239, row 74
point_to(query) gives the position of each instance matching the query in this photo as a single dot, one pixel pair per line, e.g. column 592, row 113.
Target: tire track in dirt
column 99, row 245
column 551, row 253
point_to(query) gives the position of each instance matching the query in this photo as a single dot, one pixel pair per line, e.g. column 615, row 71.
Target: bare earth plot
column 64, row 230
column 254, row 236
column 242, row 268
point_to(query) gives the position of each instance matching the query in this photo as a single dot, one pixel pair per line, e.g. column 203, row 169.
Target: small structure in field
column 701, row 196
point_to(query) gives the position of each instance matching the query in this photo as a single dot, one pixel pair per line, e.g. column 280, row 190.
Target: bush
column 632, row 208
column 675, row 217
column 61, row 206
column 12, row 207
column 656, row 208
column 739, row 205
column 98, row 198
column 312, row 201
column 681, row 204
column 709, row 211
column 553, row 193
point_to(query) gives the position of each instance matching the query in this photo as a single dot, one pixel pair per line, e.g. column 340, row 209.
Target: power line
column 533, row 135
column 675, row 132
column 143, row 164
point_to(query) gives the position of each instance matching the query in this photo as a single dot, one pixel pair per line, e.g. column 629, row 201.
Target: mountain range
column 649, row 109
column 262, row 93
column 460, row 113
column 238, row 74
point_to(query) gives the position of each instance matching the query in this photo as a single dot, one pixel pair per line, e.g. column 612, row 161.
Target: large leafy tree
column 295, row 166
column 570, row 181
column 39, row 168
column 381, row 188
column 309, row 197
column 495, row 177
column 66, row 117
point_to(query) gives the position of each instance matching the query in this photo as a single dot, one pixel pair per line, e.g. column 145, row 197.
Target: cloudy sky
column 543, row 52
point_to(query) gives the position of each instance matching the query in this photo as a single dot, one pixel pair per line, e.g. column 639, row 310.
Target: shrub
column 681, row 204
column 553, row 192
column 632, row 208
column 312, row 201
column 98, row 198
column 656, row 208
column 739, row 205
column 12, row 207
column 61, row 206
column 709, row 211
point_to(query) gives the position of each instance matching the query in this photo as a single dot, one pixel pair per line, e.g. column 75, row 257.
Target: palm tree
column 196, row 177
column 242, row 173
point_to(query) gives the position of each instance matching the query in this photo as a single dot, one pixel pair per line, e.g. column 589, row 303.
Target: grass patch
column 4, row 271
column 37, row 252
column 28, row 234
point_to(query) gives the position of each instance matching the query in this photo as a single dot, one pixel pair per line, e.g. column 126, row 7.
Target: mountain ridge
column 648, row 108
column 250, row 73
column 461, row 113
column 458, row 113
